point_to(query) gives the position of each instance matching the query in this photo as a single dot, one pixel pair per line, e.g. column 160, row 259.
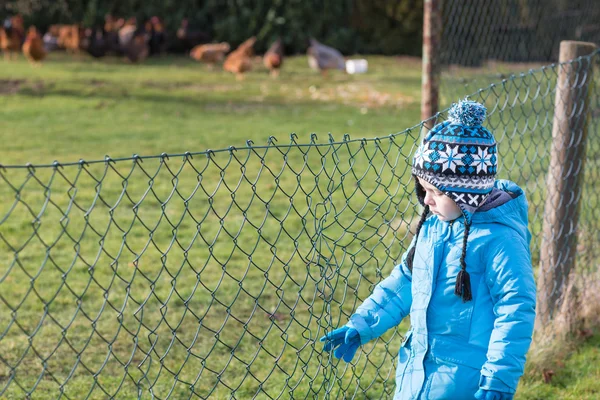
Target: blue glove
column 344, row 340
column 483, row 394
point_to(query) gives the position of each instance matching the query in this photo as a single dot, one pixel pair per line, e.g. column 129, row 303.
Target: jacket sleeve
column 387, row 306
column 509, row 276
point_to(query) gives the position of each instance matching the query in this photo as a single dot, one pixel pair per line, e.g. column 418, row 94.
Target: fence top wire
column 272, row 140
column 250, row 146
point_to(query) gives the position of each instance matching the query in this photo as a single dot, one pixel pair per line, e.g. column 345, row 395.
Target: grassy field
column 213, row 273
column 71, row 109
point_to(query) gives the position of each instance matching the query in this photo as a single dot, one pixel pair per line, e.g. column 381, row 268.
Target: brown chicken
column 138, row 50
column 240, row 60
column 210, row 53
column 11, row 36
column 273, row 58
column 69, row 37
column 33, row 48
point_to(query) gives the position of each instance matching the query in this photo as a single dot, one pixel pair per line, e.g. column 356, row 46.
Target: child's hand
column 483, row 394
column 344, row 340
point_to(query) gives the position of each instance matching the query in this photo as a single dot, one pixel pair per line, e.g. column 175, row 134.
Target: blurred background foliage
column 352, row 26
column 529, row 29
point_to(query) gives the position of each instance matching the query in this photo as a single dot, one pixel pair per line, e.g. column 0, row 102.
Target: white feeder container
column 357, row 66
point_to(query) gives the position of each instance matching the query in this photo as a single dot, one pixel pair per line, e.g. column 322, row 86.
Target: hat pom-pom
column 466, row 112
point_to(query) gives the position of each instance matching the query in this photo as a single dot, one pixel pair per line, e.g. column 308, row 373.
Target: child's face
column 439, row 204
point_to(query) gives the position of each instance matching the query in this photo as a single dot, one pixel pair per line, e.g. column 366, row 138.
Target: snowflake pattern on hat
column 459, row 157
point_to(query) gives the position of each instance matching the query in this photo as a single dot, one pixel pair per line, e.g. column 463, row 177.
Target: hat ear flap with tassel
column 459, row 158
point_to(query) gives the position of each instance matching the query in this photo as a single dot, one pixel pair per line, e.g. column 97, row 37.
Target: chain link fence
column 486, row 41
column 214, row 274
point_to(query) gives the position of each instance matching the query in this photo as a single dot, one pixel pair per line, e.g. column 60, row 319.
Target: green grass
column 68, row 109
column 234, row 246
column 217, row 271
column 576, row 378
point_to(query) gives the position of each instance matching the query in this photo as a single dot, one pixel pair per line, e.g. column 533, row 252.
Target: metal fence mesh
column 213, row 274
column 209, row 273
column 486, row 41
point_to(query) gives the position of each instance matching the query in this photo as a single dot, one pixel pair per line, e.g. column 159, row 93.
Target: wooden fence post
column 564, row 178
column 430, row 76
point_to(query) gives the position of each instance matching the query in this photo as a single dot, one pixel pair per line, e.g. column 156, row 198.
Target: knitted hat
column 458, row 157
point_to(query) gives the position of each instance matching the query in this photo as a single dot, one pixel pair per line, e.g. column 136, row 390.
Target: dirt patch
column 363, row 94
column 37, row 88
column 97, row 83
column 193, row 86
column 10, row 86
column 215, row 88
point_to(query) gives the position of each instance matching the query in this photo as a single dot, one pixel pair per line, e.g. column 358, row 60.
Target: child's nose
column 428, row 200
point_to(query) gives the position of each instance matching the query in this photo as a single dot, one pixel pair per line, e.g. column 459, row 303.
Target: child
column 466, row 279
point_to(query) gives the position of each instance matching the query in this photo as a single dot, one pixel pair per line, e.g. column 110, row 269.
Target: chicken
column 189, row 38
column 138, row 50
column 97, row 43
column 33, row 48
column 69, row 37
column 11, row 36
column 210, row 53
column 323, row 58
column 127, row 32
column 273, row 58
column 240, row 60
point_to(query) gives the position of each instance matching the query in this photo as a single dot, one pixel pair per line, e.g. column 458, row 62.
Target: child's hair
column 411, row 253
column 459, row 158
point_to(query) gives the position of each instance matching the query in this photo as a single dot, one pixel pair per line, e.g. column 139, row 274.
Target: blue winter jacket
column 455, row 347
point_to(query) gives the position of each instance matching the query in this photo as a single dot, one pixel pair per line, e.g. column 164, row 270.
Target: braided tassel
column 463, row 286
column 463, row 280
